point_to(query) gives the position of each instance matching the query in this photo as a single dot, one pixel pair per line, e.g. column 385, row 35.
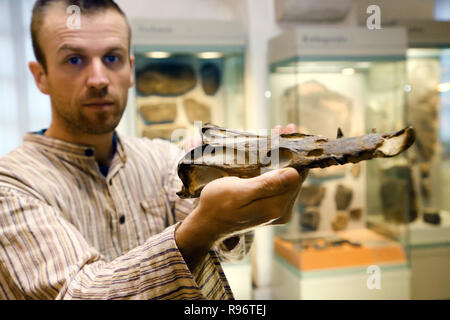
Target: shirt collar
column 71, row 149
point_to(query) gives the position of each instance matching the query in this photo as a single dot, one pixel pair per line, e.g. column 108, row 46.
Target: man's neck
column 101, row 143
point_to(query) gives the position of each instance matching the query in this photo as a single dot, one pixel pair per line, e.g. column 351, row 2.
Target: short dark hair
column 86, row 6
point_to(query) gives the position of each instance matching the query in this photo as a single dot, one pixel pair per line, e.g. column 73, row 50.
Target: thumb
column 272, row 183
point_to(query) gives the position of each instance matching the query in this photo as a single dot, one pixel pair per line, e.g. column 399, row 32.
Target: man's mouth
column 99, row 104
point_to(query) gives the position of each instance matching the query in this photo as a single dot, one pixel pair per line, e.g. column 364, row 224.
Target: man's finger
column 289, row 207
column 271, row 184
column 277, row 130
column 290, row 128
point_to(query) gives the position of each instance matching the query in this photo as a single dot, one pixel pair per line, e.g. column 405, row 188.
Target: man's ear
column 132, row 59
column 40, row 76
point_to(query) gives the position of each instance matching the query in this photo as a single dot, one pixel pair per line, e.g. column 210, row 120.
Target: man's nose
column 97, row 77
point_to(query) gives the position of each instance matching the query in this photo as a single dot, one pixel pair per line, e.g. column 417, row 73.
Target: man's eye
column 111, row 58
column 74, row 60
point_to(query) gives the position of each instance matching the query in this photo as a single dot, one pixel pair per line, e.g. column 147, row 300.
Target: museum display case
column 428, row 110
column 187, row 72
column 428, row 69
column 349, row 81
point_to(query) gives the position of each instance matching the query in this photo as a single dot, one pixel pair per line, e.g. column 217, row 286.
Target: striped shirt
column 69, row 232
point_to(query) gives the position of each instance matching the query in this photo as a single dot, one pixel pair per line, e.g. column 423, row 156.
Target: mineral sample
column 158, row 112
column 319, row 109
column 210, row 75
column 356, row 170
column 311, row 195
column 431, row 216
column 165, row 79
column 340, row 222
column 197, row 111
column 398, row 197
column 355, row 213
column 343, row 197
column 160, row 131
column 310, row 218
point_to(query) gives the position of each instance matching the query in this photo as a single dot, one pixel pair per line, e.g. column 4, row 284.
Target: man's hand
column 229, row 205
column 290, row 128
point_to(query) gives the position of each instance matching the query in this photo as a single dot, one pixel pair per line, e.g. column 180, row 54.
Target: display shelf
column 341, row 272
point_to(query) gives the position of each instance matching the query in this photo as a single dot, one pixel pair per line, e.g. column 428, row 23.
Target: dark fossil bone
column 242, row 154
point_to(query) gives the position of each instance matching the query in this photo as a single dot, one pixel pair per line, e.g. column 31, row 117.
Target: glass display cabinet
column 428, row 69
column 187, row 73
column 343, row 231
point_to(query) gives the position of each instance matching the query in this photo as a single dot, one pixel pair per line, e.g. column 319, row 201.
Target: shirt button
column 122, row 219
column 89, row 152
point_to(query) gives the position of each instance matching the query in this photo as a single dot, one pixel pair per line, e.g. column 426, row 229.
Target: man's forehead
column 105, row 22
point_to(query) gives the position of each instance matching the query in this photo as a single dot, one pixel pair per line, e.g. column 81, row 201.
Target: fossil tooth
column 236, row 153
column 339, row 133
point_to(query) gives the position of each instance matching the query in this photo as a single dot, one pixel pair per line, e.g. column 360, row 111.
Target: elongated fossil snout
column 242, row 154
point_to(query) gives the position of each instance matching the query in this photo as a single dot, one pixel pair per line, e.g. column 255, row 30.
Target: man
column 88, row 214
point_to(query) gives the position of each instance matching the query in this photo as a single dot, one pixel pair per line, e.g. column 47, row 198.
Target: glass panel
column 445, row 128
column 428, row 105
column 343, row 212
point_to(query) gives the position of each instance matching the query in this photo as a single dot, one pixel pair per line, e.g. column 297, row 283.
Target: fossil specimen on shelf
column 312, row 195
column 236, row 153
column 165, row 79
column 340, row 222
column 158, row 112
column 197, row 111
column 399, row 196
column 343, row 197
column 310, row 218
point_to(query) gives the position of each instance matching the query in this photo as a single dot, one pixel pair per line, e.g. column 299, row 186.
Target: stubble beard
column 76, row 121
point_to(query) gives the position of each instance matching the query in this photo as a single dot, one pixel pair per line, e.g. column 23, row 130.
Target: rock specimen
column 310, row 218
column 398, row 197
column 160, row 131
column 243, row 154
column 423, row 104
column 343, row 197
column 165, row 79
column 340, row 222
column 431, row 216
column 210, row 75
column 355, row 213
column 424, row 116
column 158, row 112
column 356, row 170
column 317, row 108
column 311, row 195
column 197, row 111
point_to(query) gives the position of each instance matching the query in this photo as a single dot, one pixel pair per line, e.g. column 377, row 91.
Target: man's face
column 89, row 70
